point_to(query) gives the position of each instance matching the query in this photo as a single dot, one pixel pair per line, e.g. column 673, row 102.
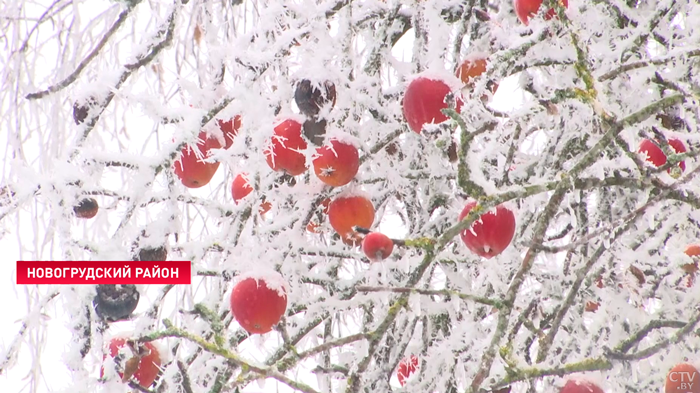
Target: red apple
column 240, row 188
column 87, row 208
column 692, row 250
column 192, row 171
column 230, row 129
column 471, row 69
column 283, row 153
column 491, row 233
column 656, row 156
column 377, row 246
column 525, row 9
column 345, row 212
column 423, row 101
column 591, row 306
column 683, row 378
column 147, row 367
column 337, row 164
column 258, row 303
column 573, row 386
column 406, row 368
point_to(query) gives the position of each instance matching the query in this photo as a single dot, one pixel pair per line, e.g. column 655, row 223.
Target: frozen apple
column 526, row 9
column 656, row 156
column 337, row 164
column 346, row 212
column 259, row 301
column 377, row 246
column 310, row 97
column 240, row 188
column 191, row 168
column 283, row 153
column 143, row 366
column 230, row 129
column 574, row 386
column 491, row 233
column 423, row 101
column 407, row 366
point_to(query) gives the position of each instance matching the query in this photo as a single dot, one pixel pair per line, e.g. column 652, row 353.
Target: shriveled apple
column 491, row 233
column 423, row 101
column 310, row 97
column 377, row 246
column 337, row 164
column 283, row 153
column 142, row 365
column 258, row 301
column 192, row 171
column 345, row 212
column 86, row 208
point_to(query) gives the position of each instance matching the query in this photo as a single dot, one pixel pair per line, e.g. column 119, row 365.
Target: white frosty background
column 576, row 94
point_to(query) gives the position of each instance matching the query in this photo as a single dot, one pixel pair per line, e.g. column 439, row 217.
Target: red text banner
column 103, row 272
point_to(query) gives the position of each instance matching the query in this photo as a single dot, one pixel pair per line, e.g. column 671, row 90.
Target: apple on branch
column 471, row 68
column 377, row 246
column 407, row 366
column 336, row 164
column 310, row 97
column 230, row 129
column 284, row 150
column 656, row 156
column 140, row 361
column 579, row 386
column 86, row 208
column 192, row 171
column 491, row 233
column 348, row 211
column 240, row 188
column 259, row 300
column 526, row 9
column 424, row 99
